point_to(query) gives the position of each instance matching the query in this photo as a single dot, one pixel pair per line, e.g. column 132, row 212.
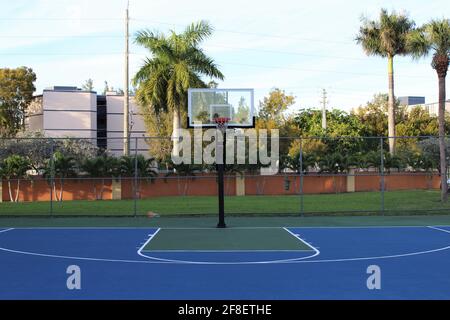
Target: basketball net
column 222, row 123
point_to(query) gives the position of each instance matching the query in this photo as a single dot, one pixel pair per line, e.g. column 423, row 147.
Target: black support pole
column 221, row 187
column 221, row 190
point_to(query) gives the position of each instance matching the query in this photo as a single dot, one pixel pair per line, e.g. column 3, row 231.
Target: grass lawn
column 398, row 202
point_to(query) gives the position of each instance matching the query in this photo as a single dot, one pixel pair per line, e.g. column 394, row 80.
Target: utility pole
column 324, row 109
column 126, row 98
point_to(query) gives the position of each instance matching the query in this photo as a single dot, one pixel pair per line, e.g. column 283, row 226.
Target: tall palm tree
column 177, row 64
column 387, row 38
column 435, row 37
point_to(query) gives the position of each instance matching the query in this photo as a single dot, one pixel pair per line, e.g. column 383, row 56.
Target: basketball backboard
column 204, row 105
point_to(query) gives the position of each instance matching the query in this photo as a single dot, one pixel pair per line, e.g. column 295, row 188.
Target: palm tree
column 387, row 38
column 60, row 167
column 177, row 64
column 435, row 37
column 100, row 168
column 146, row 169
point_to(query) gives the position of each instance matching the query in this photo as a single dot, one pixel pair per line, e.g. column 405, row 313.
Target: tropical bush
column 14, row 168
column 58, row 168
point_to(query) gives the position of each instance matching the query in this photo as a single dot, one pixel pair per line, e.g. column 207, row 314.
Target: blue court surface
column 331, row 263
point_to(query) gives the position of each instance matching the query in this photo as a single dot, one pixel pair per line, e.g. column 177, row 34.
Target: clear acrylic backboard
column 205, row 105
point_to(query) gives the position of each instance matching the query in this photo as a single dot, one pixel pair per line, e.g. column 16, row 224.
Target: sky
column 298, row 46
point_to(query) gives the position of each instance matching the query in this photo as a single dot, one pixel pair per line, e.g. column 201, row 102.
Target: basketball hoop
column 222, row 123
column 219, row 109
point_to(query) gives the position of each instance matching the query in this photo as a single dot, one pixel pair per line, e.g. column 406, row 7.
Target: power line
column 60, row 19
column 258, row 34
column 314, row 70
column 298, row 53
column 59, row 36
column 222, row 62
column 209, row 45
column 60, row 53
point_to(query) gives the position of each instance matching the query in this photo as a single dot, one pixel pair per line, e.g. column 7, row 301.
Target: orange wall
column 367, row 183
column 275, row 185
column 173, row 186
column 405, row 182
column 39, row 190
column 84, row 189
column 397, row 181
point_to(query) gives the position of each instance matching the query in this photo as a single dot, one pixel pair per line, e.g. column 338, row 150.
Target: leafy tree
column 341, row 135
column 273, row 115
column 418, row 122
column 430, row 147
column 435, row 37
column 16, row 93
column 14, row 168
column 272, row 109
column 387, row 37
column 106, row 88
column 31, row 145
column 88, row 85
column 77, row 148
column 243, row 111
column 374, row 117
column 177, row 64
column 38, row 149
column 159, row 126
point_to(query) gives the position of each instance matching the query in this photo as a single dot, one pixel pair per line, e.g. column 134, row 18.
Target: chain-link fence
column 314, row 175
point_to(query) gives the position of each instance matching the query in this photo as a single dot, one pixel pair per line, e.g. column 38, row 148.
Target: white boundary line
column 218, row 263
column 225, row 251
column 189, row 228
column 316, row 253
column 85, row 228
column 139, row 252
column 376, row 258
column 296, row 236
column 161, row 262
column 439, row 229
column 360, row 227
column 10, row 229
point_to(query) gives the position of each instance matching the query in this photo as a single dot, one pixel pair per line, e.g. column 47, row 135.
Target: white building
column 433, row 108
column 71, row 112
column 114, row 125
column 64, row 111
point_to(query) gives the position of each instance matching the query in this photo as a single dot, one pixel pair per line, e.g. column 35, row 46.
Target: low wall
column 38, row 189
column 397, row 181
column 276, row 185
column 177, row 186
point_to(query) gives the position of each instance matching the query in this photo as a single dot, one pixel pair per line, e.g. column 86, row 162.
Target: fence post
column 301, row 179
column 382, row 174
column 52, row 174
column 135, row 175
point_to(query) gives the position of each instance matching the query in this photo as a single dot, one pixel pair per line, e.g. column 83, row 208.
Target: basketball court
column 235, row 263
